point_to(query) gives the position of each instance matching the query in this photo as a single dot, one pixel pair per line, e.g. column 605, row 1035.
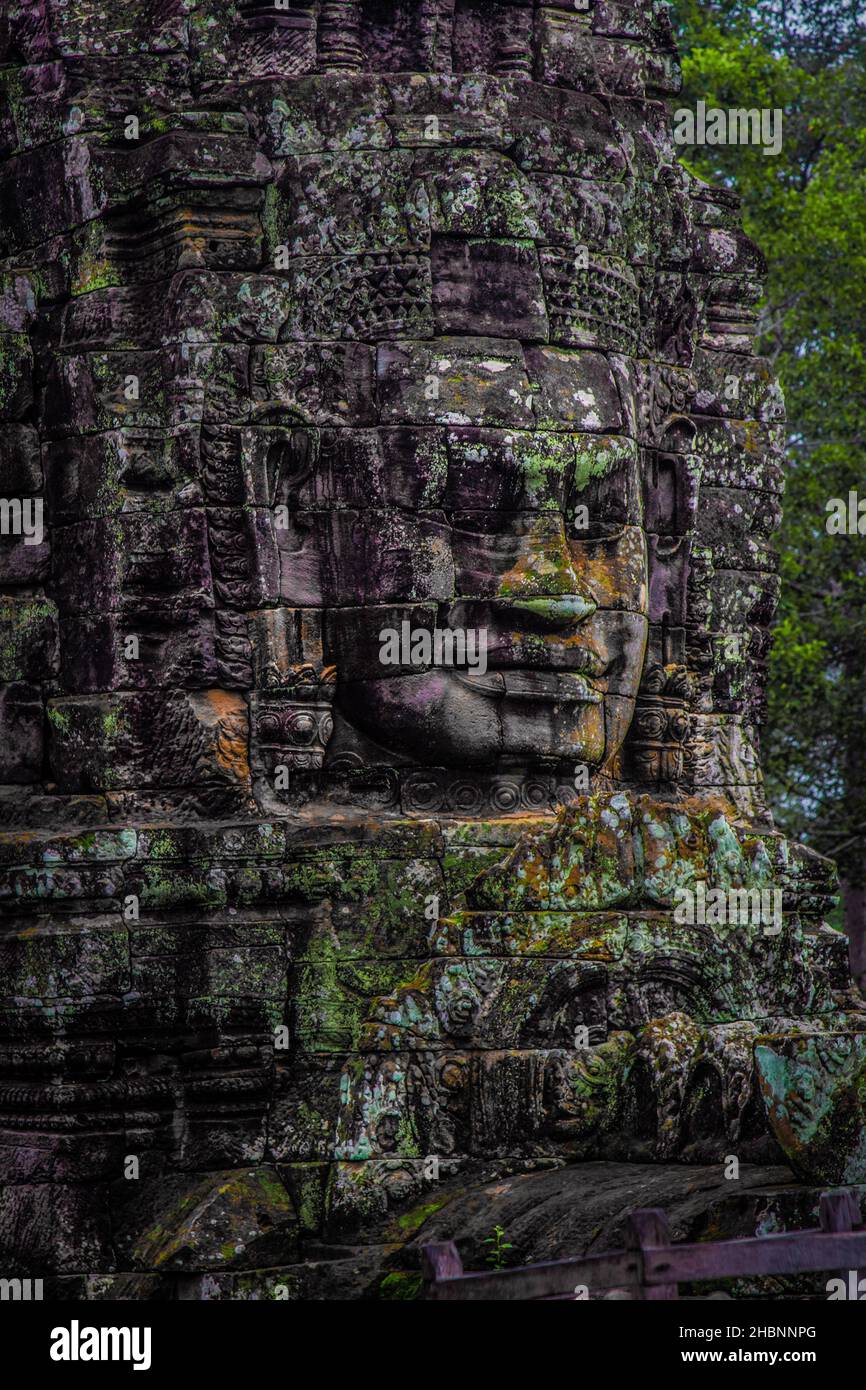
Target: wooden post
column 648, row 1229
column 439, row 1261
column 840, row 1211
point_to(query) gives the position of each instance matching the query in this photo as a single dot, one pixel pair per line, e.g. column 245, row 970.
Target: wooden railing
column 652, row 1267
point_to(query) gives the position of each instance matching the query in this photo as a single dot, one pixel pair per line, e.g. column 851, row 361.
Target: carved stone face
column 525, row 542
column 479, row 478
column 554, row 599
column 493, row 346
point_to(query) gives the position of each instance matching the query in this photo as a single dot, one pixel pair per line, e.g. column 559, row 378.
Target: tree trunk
column 854, row 916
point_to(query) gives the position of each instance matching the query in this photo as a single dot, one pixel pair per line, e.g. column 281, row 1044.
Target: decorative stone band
column 293, row 732
column 671, row 1091
column 438, row 790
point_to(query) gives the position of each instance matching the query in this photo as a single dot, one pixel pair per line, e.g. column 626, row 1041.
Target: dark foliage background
column 806, row 208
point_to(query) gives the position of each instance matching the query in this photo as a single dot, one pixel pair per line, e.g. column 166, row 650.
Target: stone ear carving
column 657, row 740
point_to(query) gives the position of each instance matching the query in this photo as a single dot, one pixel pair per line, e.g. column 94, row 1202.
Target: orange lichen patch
column 711, row 805
column 214, row 706
column 596, row 935
column 232, row 755
column 754, row 443
column 20, row 838
column 533, row 872
column 227, row 715
column 614, row 571
column 544, row 568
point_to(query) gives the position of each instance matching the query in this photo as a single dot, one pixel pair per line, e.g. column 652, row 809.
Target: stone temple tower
column 388, row 484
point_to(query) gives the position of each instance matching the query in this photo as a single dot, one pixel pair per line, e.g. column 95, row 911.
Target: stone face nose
column 546, row 573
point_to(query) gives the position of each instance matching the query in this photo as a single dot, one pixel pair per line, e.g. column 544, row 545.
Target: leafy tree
column 805, row 208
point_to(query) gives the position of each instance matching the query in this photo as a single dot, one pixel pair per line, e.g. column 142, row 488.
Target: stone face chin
column 379, row 317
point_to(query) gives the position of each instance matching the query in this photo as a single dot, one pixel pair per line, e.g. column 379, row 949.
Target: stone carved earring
column 293, row 726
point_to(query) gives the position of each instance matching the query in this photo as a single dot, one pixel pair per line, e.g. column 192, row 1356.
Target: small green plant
column 496, row 1257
